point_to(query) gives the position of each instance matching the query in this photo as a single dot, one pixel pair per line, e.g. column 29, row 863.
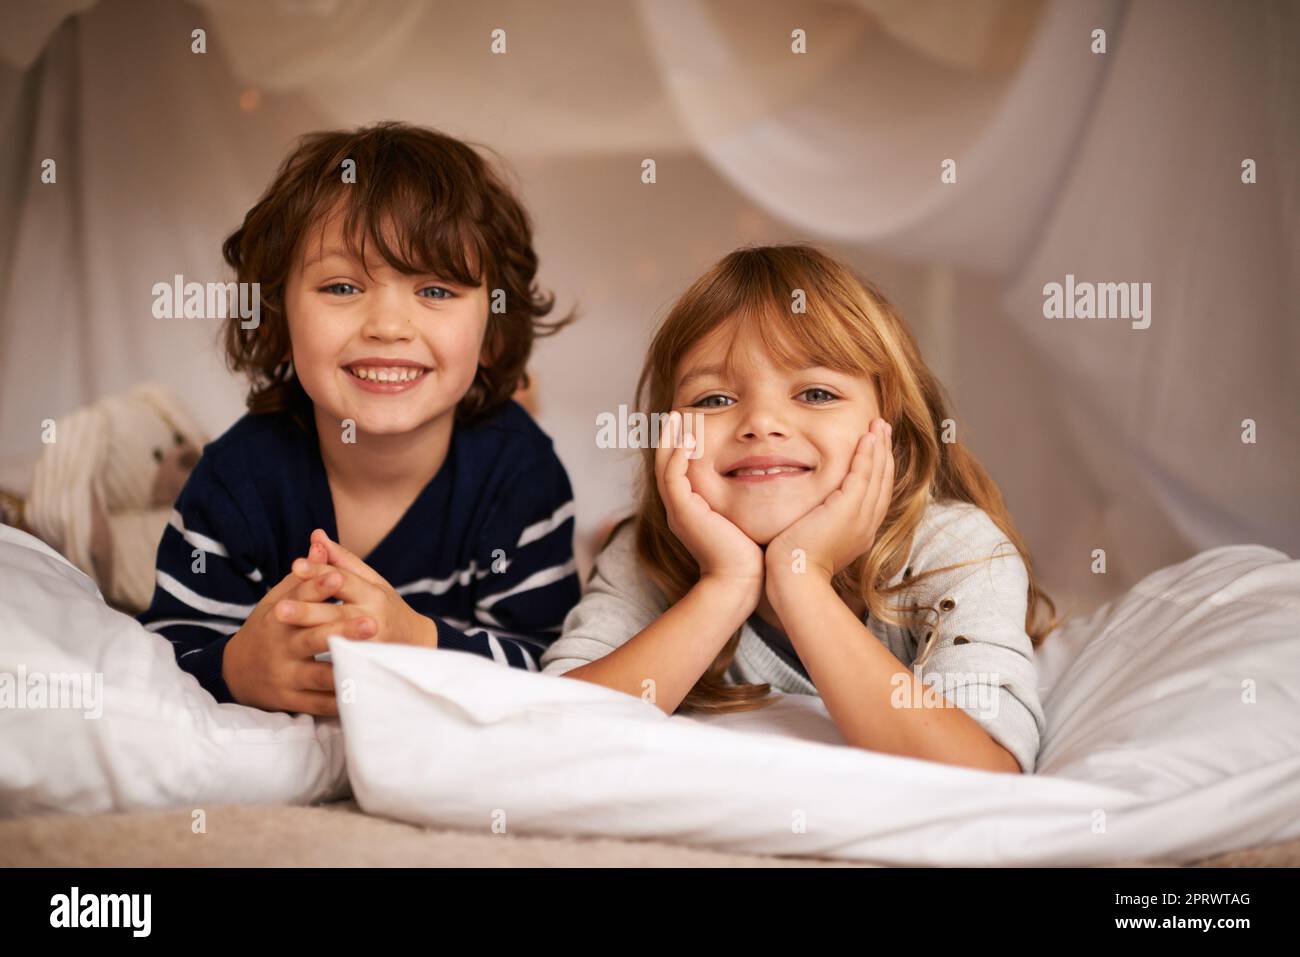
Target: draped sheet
column 1115, row 167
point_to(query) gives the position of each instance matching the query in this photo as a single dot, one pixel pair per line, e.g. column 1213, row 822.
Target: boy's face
column 807, row 422
column 344, row 319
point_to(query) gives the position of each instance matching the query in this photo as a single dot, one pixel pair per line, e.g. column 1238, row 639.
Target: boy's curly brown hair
column 430, row 204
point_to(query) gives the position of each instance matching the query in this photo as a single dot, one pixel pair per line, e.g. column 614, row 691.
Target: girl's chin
column 763, row 531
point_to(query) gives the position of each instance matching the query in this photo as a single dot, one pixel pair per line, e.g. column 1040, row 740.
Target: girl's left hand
column 840, row 529
column 369, row 593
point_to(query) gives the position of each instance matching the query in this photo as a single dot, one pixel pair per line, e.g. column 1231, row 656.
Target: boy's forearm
column 676, row 649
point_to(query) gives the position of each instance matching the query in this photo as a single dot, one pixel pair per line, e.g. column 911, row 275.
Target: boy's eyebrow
column 334, row 253
column 372, row 265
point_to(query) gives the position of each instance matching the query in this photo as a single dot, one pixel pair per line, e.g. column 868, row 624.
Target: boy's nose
column 388, row 321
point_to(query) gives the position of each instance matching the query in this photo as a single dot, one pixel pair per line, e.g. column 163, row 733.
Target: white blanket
column 1173, row 733
column 96, row 716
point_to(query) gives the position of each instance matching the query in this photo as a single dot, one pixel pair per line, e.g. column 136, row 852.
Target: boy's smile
column 776, row 442
column 391, row 352
column 386, row 375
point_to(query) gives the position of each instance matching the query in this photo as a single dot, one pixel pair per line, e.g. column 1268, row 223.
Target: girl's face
column 805, row 423
column 344, row 319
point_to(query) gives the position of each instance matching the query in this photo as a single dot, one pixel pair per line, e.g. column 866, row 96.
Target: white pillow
column 1151, row 752
column 143, row 733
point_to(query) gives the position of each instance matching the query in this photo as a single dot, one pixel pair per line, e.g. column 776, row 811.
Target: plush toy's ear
column 172, row 411
column 101, row 543
column 182, row 445
column 59, row 509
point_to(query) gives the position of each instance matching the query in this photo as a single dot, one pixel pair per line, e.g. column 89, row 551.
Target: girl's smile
column 776, row 441
column 766, row 468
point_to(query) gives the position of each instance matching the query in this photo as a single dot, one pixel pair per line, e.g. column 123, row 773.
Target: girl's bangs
column 797, row 340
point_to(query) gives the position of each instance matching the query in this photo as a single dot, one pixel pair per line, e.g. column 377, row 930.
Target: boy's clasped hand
column 270, row 663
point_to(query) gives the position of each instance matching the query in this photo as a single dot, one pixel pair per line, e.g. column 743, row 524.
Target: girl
column 381, row 440
column 818, row 535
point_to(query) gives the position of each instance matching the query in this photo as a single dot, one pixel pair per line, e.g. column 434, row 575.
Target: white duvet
column 1173, row 733
column 150, row 736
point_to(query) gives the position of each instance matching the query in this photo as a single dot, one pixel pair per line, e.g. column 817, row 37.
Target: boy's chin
column 385, row 421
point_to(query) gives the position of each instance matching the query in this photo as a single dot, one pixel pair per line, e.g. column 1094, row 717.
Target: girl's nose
column 760, row 422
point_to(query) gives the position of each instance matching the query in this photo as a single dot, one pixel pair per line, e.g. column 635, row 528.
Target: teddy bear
column 104, row 485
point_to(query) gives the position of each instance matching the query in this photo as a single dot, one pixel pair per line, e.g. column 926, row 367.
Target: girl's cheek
column 703, row 479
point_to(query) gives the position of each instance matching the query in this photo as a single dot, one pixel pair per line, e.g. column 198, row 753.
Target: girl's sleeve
column 527, row 579
column 206, row 582
column 974, row 647
column 619, row 603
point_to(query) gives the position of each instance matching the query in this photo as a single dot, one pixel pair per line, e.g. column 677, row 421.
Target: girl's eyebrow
column 700, row 373
column 719, row 370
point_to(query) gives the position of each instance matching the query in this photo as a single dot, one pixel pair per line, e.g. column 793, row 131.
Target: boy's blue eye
column 447, row 293
column 707, row 403
column 334, row 286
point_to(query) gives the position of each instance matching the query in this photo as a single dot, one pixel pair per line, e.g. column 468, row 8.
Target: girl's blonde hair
column 847, row 325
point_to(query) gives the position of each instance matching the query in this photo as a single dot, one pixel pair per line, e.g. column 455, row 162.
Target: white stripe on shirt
column 547, row 525
column 469, row 626
column 225, row 627
column 547, row 576
column 188, row 596
column 499, row 653
column 197, row 539
column 204, row 543
column 437, row 586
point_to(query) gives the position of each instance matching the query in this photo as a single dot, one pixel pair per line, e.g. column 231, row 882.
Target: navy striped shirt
column 485, row 550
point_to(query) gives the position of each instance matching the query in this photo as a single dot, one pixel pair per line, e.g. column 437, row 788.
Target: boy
column 398, row 309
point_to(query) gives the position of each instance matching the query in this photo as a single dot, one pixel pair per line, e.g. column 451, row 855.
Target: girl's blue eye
column 826, row 393
column 447, row 293
column 332, row 287
column 706, row 402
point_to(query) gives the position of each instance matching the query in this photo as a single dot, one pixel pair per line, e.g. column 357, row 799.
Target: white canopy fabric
column 1122, row 166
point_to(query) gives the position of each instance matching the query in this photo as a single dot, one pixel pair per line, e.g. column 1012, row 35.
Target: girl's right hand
column 270, row 662
column 723, row 552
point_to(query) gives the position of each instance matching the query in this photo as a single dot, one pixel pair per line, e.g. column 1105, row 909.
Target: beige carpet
column 340, row 835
